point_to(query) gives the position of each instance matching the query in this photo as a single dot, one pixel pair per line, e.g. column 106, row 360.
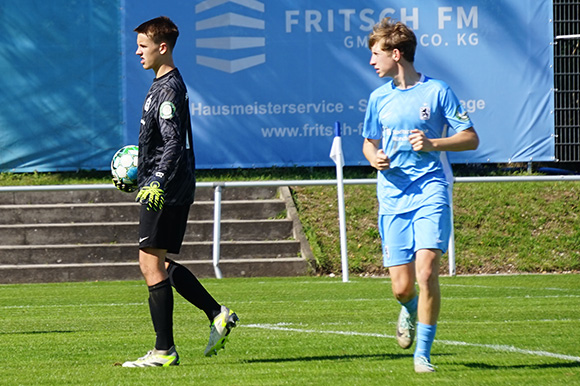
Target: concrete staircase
column 91, row 235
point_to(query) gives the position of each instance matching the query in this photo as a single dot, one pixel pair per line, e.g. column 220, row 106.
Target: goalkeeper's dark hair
column 160, row 30
column 393, row 35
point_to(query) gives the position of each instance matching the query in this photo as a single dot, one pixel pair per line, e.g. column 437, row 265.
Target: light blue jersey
column 414, row 178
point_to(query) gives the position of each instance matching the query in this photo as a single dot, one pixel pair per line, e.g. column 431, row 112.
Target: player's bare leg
column 152, row 264
column 403, row 285
column 427, row 273
column 403, row 281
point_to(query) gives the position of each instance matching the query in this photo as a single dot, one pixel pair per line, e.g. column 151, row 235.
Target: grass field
column 493, row 330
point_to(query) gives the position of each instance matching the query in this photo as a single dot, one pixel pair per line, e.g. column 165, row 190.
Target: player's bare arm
column 375, row 155
column 464, row 140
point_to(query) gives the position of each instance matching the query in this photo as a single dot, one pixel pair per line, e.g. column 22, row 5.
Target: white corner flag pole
column 450, row 179
column 451, row 247
column 338, row 157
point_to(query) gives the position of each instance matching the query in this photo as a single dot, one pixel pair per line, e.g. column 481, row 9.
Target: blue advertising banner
column 268, row 79
column 61, row 85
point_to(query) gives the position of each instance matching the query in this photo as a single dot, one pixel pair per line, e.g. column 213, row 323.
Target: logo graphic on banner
column 230, row 43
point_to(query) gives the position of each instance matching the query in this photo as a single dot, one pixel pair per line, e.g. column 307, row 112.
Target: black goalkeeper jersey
column 165, row 140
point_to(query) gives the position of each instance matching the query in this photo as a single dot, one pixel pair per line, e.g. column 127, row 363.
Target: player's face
column 149, row 52
column 382, row 61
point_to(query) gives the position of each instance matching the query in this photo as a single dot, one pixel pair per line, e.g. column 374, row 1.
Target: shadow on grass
column 329, row 358
column 485, row 366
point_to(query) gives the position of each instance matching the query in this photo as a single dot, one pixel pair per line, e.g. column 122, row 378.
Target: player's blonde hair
column 393, row 35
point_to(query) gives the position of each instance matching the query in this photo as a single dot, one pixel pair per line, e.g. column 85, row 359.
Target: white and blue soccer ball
column 124, row 165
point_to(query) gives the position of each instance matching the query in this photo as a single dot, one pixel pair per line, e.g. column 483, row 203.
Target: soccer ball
column 124, row 165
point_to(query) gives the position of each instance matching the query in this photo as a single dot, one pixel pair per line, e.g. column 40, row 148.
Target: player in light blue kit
column 405, row 131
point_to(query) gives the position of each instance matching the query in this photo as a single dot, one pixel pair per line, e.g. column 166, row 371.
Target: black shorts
column 163, row 229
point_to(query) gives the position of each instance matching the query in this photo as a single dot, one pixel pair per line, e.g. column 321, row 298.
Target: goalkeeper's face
column 149, row 52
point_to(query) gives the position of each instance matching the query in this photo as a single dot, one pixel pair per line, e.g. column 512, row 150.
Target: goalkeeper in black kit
column 166, row 180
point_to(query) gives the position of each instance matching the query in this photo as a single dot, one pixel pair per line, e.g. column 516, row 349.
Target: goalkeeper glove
column 124, row 187
column 152, row 195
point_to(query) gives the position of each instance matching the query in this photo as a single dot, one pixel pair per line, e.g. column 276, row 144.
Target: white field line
column 140, row 304
column 495, row 347
column 506, row 288
column 388, row 281
column 342, row 301
column 387, row 299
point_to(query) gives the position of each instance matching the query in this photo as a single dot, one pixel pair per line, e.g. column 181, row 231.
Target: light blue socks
column 425, row 338
column 411, row 305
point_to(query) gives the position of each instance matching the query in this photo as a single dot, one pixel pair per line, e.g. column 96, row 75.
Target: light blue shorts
column 402, row 235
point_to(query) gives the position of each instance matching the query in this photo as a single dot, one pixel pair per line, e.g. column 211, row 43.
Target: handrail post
column 217, row 219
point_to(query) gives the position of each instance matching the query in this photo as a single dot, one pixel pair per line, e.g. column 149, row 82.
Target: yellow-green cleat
column 156, row 358
column 220, row 328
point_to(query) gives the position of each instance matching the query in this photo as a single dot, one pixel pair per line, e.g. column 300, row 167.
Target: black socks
column 187, row 285
column 161, row 309
column 161, row 301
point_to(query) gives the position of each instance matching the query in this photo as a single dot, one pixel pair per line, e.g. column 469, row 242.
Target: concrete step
column 128, row 211
column 51, row 273
column 127, row 232
column 80, row 235
column 128, row 252
column 114, row 195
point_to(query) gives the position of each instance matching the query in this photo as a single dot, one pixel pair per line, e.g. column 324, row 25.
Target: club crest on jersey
column 167, row 110
column 425, row 113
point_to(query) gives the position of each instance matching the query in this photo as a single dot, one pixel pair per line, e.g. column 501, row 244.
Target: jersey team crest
column 425, row 113
column 167, row 110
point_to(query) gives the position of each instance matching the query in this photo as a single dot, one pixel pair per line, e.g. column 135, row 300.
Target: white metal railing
column 219, row 186
column 278, row 183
